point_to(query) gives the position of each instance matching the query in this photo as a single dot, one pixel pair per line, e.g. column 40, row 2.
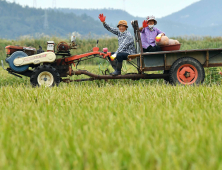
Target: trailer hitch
column 9, row 71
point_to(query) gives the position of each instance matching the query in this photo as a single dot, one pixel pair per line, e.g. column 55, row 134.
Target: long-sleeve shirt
column 148, row 37
column 125, row 40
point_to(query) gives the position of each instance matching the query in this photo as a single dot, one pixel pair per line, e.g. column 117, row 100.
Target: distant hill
column 205, row 13
column 16, row 20
column 112, row 15
column 203, row 18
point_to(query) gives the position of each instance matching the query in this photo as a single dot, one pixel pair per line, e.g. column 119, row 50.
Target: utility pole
column 53, row 3
column 34, row 4
column 46, row 23
column 124, row 5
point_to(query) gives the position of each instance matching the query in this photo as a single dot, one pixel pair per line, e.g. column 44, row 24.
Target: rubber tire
column 167, row 79
column 39, row 69
column 186, row 60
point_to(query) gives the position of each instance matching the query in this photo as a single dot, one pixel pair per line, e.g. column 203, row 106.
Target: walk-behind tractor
column 42, row 67
column 179, row 66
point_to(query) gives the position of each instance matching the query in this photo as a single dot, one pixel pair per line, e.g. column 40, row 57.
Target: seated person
column 126, row 44
column 148, row 35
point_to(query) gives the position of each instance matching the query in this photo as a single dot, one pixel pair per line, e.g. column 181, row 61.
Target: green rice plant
column 115, row 124
column 109, row 125
column 212, row 76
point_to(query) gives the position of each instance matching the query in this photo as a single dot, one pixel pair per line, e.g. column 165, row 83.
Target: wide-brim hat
column 149, row 18
column 122, row 22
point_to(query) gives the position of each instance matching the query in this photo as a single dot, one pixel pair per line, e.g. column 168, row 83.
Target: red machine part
column 70, row 60
column 11, row 49
column 105, row 50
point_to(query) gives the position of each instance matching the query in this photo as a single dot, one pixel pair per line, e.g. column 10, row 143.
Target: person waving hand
column 149, row 34
column 125, row 41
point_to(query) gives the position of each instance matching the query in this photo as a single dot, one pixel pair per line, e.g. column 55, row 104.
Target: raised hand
column 145, row 24
column 102, row 18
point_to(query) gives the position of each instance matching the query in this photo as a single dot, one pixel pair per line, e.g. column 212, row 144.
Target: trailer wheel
column 187, row 71
column 45, row 75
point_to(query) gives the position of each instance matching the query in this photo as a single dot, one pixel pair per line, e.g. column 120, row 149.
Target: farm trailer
column 179, row 66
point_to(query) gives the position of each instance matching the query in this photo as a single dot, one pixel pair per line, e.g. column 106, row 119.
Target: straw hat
column 151, row 18
column 122, row 22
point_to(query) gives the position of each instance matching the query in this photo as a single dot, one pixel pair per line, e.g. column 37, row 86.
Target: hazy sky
column 140, row 8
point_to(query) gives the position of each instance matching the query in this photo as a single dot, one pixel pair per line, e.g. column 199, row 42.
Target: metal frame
column 132, row 76
column 138, row 40
column 167, row 54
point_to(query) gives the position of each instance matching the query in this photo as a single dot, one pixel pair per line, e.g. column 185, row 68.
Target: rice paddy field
column 105, row 125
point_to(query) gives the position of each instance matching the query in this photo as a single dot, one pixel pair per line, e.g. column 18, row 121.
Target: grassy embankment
column 110, row 125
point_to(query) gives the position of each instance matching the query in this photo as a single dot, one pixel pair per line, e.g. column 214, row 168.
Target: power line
column 124, row 5
column 34, row 4
column 53, row 3
column 46, row 24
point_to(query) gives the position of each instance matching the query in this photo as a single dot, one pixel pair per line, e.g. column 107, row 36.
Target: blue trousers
column 121, row 56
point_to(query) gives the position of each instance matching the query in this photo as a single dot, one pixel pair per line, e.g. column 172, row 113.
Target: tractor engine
column 63, row 47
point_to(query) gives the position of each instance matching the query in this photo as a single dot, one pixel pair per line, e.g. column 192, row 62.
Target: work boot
column 113, row 64
column 118, row 69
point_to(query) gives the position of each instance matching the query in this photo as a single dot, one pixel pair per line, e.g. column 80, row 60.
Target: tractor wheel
column 187, row 71
column 167, row 79
column 45, row 75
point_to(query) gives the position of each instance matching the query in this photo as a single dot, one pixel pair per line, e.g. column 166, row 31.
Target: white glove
column 112, row 57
